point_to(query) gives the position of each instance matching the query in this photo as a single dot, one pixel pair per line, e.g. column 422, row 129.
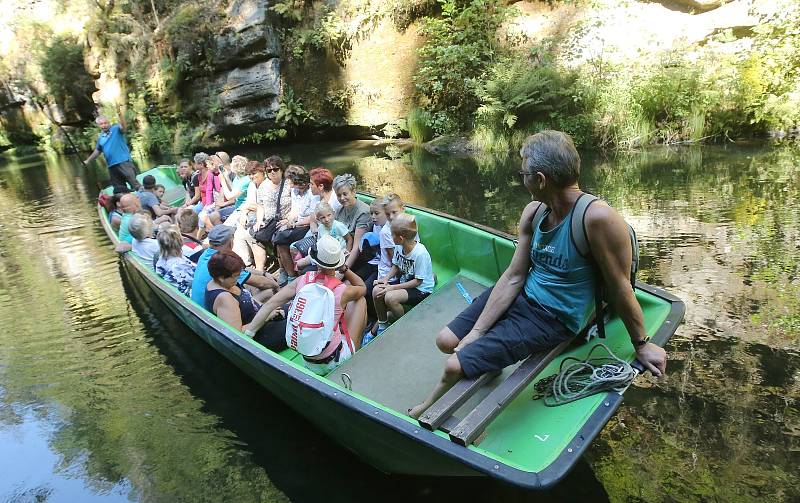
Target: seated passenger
column 144, row 245
column 150, row 202
column 412, row 265
column 295, row 226
column 189, row 227
column 113, row 209
column 234, row 185
column 349, row 309
column 324, row 225
column 128, row 204
column 366, row 265
column 354, row 213
column 221, row 239
column 233, row 304
column 172, row 265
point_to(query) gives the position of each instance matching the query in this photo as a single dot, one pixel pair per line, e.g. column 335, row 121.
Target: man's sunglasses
column 272, row 170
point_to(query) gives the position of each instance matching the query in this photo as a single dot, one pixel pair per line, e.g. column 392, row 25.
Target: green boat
column 489, row 426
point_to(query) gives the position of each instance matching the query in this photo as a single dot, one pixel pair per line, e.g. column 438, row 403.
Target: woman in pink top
column 350, row 309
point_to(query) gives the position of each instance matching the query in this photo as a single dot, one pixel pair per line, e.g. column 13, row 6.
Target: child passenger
column 411, row 264
column 325, row 226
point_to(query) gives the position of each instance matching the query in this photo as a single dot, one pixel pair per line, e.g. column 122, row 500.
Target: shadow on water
column 304, row 464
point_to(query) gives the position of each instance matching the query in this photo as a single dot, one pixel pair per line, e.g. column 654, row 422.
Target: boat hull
column 381, row 436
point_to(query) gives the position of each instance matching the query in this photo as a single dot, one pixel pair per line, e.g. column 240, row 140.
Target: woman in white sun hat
column 323, row 348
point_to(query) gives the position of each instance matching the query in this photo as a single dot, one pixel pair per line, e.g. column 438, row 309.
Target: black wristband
column 638, row 344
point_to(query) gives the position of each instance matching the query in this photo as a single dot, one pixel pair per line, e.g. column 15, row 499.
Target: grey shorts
column 122, row 175
column 524, row 329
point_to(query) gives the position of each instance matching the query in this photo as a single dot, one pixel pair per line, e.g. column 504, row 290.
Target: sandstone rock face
column 240, row 86
column 249, row 37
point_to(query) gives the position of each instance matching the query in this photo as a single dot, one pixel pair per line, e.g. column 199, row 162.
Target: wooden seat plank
column 455, row 397
column 473, row 424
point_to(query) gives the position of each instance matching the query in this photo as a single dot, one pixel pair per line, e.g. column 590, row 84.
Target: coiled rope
column 577, row 379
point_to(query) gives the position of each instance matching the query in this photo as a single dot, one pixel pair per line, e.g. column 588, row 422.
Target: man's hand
column 653, row 358
column 471, row 337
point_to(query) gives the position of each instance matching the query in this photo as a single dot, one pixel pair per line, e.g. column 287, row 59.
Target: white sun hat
column 328, row 253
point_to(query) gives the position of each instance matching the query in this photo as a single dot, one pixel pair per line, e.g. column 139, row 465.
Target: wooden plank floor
column 399, row 368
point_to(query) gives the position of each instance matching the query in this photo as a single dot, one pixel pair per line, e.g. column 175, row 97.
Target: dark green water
column 105, row 396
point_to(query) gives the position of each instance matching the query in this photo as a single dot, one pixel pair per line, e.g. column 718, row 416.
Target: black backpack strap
column 538, row 216
column 577, row 224
column 580, row 238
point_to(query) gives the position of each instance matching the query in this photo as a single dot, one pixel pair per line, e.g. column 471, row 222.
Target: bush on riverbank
column 467, row 81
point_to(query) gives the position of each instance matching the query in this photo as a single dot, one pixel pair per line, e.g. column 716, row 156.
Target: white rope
column 583, row 378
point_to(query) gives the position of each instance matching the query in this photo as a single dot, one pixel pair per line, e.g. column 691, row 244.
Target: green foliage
column 461, row 44
column 291, row 10
column 395, row 128
column 292, row 113
column 61, row 66
column 419, row 125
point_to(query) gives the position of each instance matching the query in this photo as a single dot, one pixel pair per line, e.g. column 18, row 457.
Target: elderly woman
column 350, row 306
column 172, row 265
column 272, row 199
column 353, row 213
column 234, row 191
column 143, row 245
column 234, row 305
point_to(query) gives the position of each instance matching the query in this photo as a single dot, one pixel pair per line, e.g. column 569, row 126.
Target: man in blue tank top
column 111, row 143
column 546, row 294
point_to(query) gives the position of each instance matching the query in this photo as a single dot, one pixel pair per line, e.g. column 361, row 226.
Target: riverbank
column 615, row 75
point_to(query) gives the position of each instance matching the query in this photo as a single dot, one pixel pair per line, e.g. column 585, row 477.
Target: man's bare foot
column 417, row 410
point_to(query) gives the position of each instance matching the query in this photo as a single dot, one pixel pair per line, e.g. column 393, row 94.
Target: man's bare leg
column 452, row 374
column 446, row 341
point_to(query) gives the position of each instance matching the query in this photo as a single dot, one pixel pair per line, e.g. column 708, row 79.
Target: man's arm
column 283, row 296
column 160, row 212
column 92, row 156
column 121, row 116
column 510, row 283
column 611, row 249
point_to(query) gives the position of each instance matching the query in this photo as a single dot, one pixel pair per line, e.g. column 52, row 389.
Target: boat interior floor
column 400, row 367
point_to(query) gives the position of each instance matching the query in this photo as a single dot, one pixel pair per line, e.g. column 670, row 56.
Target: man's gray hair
column 200, row 157
column 141, row 226
column 100, row 118
column 344, row 180
column 554, row 155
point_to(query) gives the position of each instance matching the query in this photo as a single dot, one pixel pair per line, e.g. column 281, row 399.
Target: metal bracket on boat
column 347, row 381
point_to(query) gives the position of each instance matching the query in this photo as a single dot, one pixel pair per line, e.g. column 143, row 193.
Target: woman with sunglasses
column 267, row 206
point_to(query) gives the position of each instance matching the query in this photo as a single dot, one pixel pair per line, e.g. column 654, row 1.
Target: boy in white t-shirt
column 412, row 265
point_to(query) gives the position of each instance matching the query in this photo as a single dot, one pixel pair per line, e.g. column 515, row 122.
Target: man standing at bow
column 112, row 144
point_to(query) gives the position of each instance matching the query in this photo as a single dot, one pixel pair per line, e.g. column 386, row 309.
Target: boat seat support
column 447, row 404
column 473, row 424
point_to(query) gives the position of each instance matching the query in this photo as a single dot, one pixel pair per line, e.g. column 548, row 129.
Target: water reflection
column 116, row 399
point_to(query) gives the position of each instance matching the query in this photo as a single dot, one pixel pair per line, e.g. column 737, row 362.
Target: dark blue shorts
column 524, row 329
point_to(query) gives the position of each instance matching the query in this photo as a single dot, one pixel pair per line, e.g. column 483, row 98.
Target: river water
column 106, row 396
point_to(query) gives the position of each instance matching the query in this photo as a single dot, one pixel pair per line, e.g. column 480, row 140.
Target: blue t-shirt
column 560, row 279
column 202, row 277
column 240, row 185
column 148, row 200
column 113, row 146
column 124, row 233
column 337, row 230
column 416, row 265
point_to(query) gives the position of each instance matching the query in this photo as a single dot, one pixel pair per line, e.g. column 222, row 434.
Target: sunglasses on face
column 272, row 170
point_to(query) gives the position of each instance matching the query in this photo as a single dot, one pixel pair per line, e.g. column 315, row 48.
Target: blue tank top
column 247, row 305
column 560, row 279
